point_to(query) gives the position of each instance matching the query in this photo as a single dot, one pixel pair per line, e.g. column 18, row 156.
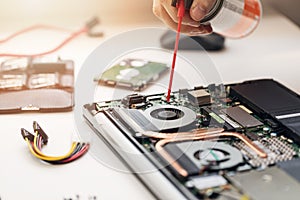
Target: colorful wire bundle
column 39, row 139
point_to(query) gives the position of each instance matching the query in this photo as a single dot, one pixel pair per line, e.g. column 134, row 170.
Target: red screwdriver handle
column 187, row 3
column 181, row 10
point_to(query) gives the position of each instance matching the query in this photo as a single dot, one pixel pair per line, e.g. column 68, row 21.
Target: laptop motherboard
column 237, row 141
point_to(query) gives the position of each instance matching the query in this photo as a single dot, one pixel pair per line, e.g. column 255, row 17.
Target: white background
column 273, row 51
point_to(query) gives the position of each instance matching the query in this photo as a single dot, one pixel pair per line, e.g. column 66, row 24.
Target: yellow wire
column 57, row 157
column 49, row 158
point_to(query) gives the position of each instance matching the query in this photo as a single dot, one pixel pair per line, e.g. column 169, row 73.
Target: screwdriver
column 181, row 5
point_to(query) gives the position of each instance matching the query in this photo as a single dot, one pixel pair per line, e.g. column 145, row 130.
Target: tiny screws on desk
column 80, row 197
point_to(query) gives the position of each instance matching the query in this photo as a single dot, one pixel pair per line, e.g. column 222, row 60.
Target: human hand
column 191, row 21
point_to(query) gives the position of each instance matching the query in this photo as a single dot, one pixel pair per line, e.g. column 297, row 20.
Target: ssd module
column 135, row 74
column 207, row 144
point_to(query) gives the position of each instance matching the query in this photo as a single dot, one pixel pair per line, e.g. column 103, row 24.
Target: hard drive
column 135, row 74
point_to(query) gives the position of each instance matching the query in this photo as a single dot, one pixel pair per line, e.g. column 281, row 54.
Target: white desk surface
column 273, row 51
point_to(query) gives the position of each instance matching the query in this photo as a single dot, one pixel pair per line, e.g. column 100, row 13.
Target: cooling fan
column 170, row 118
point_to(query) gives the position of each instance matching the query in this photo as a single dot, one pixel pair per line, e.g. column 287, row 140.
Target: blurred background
column 118, row 11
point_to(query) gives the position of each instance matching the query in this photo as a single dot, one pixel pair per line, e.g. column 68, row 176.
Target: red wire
column 63, row 43
column 82, row 151
column 40, row 142
column 180, row 14
column 79, row 154
column 31, row 28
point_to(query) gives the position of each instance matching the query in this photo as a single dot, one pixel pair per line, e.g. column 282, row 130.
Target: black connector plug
column 40, row 131
column 90, row 25
column 27, row 134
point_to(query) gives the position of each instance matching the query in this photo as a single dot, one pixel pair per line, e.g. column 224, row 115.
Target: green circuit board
column 132, row 74
column 216, row 160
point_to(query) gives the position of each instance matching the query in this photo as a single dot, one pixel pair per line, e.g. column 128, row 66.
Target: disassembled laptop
column 237, row 141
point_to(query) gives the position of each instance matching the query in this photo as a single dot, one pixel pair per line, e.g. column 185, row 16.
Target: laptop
column 234, row 141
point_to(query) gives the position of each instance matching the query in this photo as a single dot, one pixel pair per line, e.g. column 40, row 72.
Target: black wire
column 71, row 160
column 78, row 148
